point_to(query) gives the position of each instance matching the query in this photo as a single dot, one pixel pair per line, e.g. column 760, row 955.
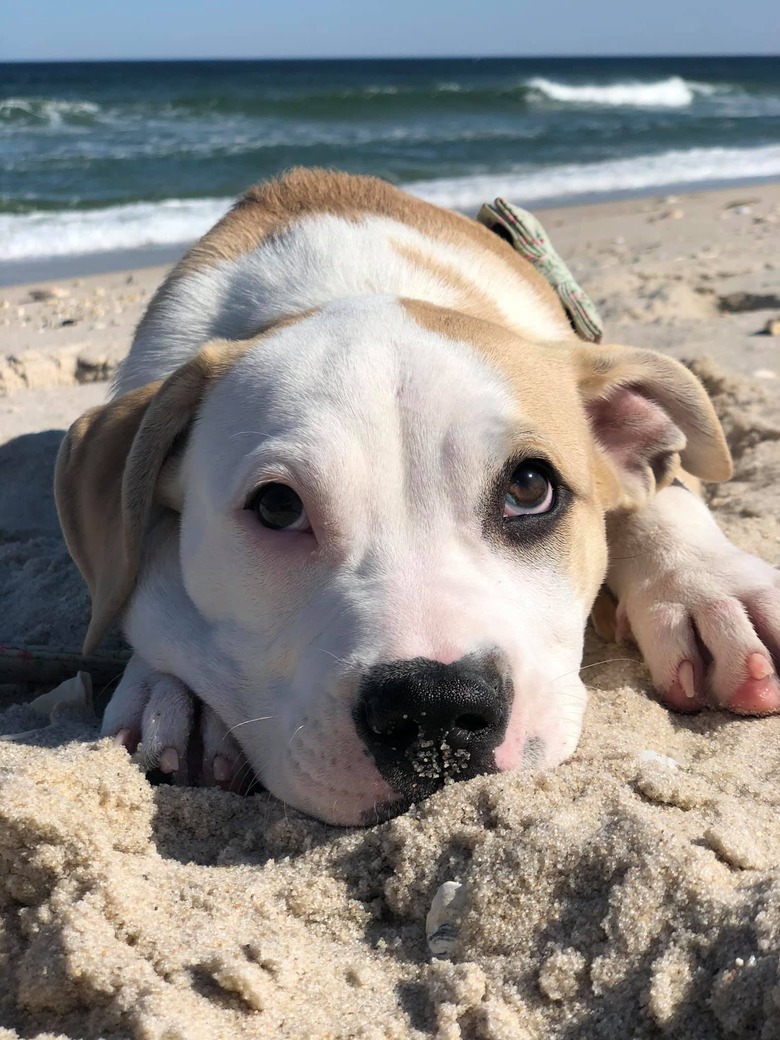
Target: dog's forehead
column 362, row 368
column 402, row 396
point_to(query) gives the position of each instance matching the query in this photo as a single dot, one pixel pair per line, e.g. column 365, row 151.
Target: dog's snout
column 425, row 722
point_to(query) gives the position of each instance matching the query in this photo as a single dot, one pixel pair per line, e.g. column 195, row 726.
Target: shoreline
column 690, row 274
column 81, row 265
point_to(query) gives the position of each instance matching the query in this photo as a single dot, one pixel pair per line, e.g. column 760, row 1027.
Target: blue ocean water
column 113, row 155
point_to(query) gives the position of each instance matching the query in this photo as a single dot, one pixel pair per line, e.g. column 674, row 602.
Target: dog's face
column 375, row 518
column 391, row 532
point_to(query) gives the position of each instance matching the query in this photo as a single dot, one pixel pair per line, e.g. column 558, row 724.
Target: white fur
column 391, row 453
column 319, row 259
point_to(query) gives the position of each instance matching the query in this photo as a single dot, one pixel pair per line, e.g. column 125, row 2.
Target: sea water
column 101, row 156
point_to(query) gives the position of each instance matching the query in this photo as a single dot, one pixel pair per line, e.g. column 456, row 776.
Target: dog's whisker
column 334, row 656
column 250, row 433
column 260, row 718
column 575, row 690
column 609, row 660
column 240, row 777
column 595, row 664
column 295, row 734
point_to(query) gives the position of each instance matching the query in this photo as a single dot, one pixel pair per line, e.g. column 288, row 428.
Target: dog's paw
column 160, row 717
column 708, row 625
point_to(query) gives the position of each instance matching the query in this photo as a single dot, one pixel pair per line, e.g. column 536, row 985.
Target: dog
column 357, row 491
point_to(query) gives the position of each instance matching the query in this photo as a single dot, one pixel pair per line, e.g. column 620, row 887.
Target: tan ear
column 648, row 414
column 111, row 473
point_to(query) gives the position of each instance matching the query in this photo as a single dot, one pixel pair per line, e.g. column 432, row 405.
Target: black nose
column 427, row 723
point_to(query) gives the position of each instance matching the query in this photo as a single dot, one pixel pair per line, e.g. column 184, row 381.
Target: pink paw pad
column 759, row 694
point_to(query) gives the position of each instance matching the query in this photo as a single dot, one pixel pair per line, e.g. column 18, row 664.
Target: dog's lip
column 383, row 812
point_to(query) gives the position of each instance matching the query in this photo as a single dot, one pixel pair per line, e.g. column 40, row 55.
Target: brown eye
column 278, row 508
column 530, row 492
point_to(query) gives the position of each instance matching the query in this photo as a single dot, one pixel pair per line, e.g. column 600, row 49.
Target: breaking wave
column 173, row 221
column 674, row 92
column 51, row 112
column 641, row 173
column 133, row 226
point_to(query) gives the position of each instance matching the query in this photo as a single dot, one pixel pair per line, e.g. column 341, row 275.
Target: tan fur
column 678, row 391
column 269, row 209
column 542, row 381
column 107, row 478
column 472, row 300
column 551, row 385
column 603, row 615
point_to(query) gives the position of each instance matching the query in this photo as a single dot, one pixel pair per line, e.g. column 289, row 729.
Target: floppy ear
column 115, row 464
column 648, row 414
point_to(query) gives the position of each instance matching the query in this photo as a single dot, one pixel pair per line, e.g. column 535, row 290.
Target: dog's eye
column 530, row 491
column 279, row 508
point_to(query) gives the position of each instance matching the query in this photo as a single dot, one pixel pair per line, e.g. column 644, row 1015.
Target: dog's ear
column 115, row 465
column 648, row 413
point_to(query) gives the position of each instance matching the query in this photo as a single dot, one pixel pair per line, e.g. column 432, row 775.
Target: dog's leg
column 159, row 715
column 705, row 615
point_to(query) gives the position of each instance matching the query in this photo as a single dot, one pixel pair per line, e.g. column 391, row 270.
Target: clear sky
column 73, row 29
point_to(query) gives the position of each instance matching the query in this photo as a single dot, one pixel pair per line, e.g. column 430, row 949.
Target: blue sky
column 73, row 29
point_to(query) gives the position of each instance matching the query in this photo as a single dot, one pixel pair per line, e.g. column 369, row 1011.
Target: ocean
column 107, row 156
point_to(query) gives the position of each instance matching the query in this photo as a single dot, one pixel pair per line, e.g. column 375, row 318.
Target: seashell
column 75, row 694
column 443, row 921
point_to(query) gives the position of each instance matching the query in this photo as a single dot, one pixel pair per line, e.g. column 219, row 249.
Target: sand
column 633, row 892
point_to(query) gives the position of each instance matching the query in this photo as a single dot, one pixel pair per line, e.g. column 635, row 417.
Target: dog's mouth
column 381, row 812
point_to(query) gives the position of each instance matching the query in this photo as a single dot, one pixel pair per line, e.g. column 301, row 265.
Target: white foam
column 103, row 230
column 52, row 111
column 63, row 233
column 674, row 92
column 698, row 165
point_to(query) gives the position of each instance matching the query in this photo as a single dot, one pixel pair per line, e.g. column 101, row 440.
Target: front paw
column 708, row 626
column 159, row 716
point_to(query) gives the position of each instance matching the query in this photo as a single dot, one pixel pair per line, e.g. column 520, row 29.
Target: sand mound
column 634, row 892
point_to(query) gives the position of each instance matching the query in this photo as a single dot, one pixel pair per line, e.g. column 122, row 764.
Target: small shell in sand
column 74, row 694
column 443, row 921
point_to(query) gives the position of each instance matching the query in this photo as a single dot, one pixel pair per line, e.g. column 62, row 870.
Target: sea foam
column 674, row 92
column 641, row 173
column 62, row 233
column 51, row 112
column 69, row 232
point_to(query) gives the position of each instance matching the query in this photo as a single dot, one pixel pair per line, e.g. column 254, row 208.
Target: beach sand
column 633, row 892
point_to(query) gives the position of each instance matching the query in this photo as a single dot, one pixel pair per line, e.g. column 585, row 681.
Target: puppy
column 356, row 494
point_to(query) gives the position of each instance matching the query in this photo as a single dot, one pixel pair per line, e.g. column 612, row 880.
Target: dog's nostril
column 421, row 718
column 471, row 723
column 402, row 732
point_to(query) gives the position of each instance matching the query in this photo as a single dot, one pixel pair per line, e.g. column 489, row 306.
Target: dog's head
column 390, row 533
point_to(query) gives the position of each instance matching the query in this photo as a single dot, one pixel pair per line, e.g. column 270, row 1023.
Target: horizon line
column 395, row 57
